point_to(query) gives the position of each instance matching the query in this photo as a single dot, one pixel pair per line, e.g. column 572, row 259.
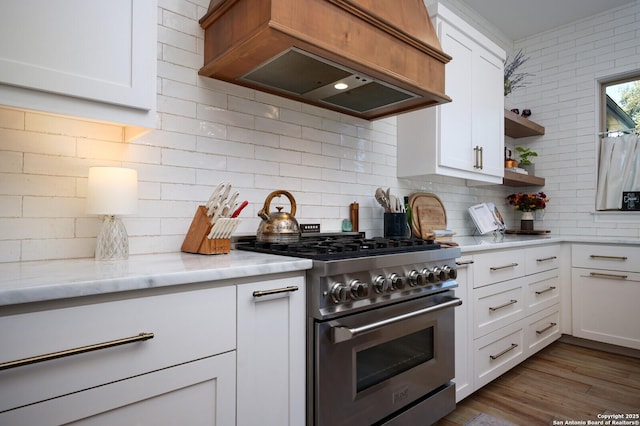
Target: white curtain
column 619, row 170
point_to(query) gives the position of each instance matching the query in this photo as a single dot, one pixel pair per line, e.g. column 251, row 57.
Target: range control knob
column 380, row 284
column 358, row 289
column 415, row 278
column 397, row 281
column 429, row 275
column 339, row 292
column 450, row 273
column 440, row 274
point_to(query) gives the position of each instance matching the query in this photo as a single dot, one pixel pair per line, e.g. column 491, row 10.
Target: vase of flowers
column 527, row 204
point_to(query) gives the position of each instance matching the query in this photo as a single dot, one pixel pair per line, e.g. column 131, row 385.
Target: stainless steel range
column 380, row 329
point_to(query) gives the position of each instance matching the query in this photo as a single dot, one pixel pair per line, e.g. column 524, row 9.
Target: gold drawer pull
column 465, row 263
column 549, row 327
column 75, row 351
column 546, row 259
column 603, row 275
column 261, row 293
column 545, row 290
column 495, row 268
column 597, row 256
column 509, row 303
column 498, row 355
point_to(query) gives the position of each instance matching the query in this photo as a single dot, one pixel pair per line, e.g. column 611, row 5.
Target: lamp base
column 112, row 242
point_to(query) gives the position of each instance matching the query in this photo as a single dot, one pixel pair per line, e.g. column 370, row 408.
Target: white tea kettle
column 278, row 227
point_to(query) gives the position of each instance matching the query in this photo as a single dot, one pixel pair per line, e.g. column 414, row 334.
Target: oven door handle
column 340, row 333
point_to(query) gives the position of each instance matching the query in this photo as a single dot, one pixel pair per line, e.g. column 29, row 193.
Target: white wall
column 209, row 131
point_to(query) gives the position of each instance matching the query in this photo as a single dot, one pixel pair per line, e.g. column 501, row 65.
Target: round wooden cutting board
column 427, row 214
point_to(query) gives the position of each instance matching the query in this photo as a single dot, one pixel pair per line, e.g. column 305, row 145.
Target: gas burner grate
column 335, row 247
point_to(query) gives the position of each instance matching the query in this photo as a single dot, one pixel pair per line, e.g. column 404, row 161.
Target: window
column 619, row 150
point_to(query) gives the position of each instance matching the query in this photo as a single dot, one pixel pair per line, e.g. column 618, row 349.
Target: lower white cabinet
column 605, row 293
column 514, row 308
column 196, row 393
column 271, row 352
column 463, row 329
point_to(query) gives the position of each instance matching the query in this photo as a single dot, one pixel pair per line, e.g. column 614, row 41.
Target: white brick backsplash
column 210, row 131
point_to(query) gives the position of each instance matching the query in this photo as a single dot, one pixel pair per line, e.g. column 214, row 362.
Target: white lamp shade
column 112, row 191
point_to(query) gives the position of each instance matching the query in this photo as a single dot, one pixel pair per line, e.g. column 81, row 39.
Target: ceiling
column 518, row 19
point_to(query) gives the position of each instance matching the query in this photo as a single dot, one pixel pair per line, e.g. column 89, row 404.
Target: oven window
column 381, row 362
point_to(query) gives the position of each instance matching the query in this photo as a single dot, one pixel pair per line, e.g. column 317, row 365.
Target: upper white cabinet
column 464, row 138
column 94, row 60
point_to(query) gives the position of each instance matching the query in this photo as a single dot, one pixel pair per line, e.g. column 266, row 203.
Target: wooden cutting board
column 428, row 213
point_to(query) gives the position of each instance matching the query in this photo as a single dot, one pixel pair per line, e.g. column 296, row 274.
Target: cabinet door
column 84, row 59
column 487, row 121
column 196, row 393
column 271, row 352
column 456, row 150
column 605, row 306
column 464, row 329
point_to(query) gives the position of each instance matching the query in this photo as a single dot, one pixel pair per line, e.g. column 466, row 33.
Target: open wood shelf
column 519, row 179
column 516, row 126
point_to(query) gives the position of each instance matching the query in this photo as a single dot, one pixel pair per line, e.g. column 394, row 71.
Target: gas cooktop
column 338, row 246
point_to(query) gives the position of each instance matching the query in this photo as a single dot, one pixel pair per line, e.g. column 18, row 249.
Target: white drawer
column 489, row 268
column 498, row 305
column 542, row 290
column 498, row 352
column 542, row 329
column 542, row 258
column 186, row 326
column 614, row 258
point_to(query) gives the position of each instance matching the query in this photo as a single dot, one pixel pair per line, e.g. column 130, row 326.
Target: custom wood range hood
column 386, row 52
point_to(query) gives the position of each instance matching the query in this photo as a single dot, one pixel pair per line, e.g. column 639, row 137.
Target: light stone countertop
column 25, row 282
column 37, row 281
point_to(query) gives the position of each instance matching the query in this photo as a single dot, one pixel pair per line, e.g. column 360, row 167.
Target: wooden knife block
column 196, row 240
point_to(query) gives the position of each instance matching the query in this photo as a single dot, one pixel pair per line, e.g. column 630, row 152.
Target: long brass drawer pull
column 509, row 303
column 551, row 288
column 496, row 268
column 498, row 355
column 465, row 263
column 598, row 256
column 261, row 293
column 75, row 351
column 603, row 275
column 549, row 327
column 545, row 259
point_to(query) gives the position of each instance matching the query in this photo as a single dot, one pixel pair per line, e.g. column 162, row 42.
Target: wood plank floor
column 562, row 382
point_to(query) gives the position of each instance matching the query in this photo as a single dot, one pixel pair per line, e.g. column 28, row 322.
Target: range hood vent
column 385, row 53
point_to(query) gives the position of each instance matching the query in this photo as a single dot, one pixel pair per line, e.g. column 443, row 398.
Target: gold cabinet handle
column 478, row 157
column 75, row 351
column 261, row 293
column 498, row 355
column 603, row 275
column 481, row 159
column 549, row 327
column 497, row 268
column 509, row 303
column 545, row 259
column 464, row 263
column 545, row 290
column 598, row 256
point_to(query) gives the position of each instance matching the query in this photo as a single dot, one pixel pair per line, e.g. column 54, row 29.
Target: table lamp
column 112, row 191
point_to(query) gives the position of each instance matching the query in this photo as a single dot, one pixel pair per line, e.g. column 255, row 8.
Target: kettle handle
column 267, row 202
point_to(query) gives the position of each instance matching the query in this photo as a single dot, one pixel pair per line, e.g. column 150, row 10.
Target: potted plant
column 512, row 79
column 527, row 204
column 525, row 159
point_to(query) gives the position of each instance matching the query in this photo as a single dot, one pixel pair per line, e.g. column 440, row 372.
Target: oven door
column 372, row 364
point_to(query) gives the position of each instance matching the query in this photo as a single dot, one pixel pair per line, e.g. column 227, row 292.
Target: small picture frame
column 630, row 201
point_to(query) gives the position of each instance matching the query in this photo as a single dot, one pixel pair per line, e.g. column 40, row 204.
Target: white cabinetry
column 94, row 60
column 464, row 138
column 189, row 363
column 463, row 329
column 271, row 352
column 516, row 307
column 605, row 293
